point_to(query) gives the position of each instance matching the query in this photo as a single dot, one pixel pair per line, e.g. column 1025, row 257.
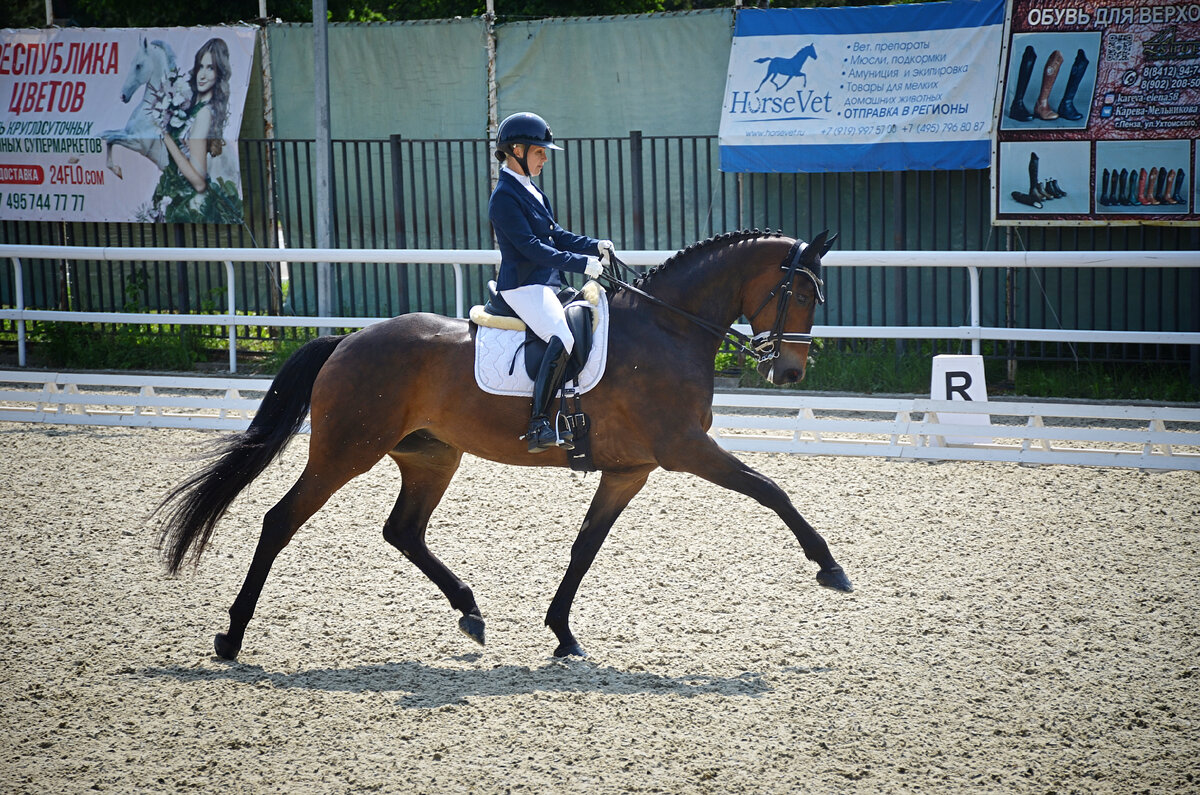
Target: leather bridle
column 767, row 345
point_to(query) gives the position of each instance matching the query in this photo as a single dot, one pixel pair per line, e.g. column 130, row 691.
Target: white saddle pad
column 496, row 352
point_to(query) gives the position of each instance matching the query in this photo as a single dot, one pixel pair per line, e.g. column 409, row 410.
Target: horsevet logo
column 776, row 97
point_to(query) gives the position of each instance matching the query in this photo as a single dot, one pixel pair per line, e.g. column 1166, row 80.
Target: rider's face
column 535, row 157
column 206, row 75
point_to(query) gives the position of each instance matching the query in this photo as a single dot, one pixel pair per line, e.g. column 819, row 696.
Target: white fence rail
column 972, row 262
column 1146, row 437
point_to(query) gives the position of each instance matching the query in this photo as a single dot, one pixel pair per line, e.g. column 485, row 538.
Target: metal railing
column 972, row 262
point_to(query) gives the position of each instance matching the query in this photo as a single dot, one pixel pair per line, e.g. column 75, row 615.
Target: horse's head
column 809, row 52
column 783, row 319
column 150, row 66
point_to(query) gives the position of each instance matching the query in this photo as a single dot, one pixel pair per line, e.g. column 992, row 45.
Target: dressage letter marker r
column 964, row 383
column 960, row 379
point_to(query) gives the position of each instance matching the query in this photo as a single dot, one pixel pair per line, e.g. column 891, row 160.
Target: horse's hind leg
column 613, row 494
column 427, row 466
column 304, row 499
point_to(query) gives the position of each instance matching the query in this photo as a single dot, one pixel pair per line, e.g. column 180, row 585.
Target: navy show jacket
column 533, row 247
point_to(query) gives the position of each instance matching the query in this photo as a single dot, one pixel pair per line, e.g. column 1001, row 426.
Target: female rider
column 534, row 250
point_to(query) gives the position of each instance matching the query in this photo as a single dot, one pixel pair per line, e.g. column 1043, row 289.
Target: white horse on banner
column 154, row 62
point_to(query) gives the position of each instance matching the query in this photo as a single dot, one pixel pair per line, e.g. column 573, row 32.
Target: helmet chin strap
column 521, row 159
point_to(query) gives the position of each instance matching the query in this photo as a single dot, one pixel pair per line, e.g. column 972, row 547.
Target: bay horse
column 405, row 388
column 790, row 67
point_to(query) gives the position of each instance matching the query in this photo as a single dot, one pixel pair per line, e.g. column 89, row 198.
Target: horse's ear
column 828, row 244
column 812, row 252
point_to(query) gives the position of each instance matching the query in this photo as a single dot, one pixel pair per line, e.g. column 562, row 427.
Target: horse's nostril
column 791, row 376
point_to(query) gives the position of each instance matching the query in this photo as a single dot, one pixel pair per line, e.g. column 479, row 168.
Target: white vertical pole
column 324, row 169
column 49, row 13
column 19, row 284
column 976, row 343
column 231, row 308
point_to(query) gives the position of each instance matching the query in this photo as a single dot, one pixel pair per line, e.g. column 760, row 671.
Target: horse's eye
column 801, row 299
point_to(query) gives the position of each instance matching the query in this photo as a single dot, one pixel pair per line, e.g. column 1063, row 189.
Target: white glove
column 593, row 269
column 606, row 252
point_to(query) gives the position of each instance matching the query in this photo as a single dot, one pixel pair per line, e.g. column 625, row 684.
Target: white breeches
column 538, row 306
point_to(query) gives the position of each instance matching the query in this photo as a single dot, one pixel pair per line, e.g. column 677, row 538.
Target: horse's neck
column 709, row 288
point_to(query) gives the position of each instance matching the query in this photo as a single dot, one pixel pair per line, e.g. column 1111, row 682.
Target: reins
column 762, row 347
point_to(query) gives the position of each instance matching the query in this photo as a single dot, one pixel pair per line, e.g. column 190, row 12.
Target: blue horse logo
column 788, row 67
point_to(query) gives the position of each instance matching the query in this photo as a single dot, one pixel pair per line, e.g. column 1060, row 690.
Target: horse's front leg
column 614, row 493
column 702, row 456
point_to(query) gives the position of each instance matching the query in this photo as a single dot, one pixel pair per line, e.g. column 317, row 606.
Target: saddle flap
column 580, row 321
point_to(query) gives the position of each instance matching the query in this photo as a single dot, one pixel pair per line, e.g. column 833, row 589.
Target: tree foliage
column 142, row 14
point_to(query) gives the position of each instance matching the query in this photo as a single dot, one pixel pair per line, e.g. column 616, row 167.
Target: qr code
column 1118, row 47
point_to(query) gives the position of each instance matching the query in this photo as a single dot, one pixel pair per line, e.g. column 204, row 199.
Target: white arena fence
column 457, row 259
column 1146, row 437
column 1036, row 433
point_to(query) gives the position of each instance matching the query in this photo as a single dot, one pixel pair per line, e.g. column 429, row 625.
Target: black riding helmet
column 529, row 129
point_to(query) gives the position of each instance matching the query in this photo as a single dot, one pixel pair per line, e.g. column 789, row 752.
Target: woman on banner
column 194, row 130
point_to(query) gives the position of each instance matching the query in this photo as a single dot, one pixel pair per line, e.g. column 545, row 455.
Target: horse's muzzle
column 780, row 371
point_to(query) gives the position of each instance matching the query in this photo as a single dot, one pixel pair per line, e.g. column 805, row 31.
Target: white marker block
column 960, row 378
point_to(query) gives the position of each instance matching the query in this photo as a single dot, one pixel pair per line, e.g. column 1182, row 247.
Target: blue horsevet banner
column 886, row 88
column 86, row 114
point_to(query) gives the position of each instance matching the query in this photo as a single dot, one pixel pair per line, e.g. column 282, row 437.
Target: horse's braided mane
column 694, row 249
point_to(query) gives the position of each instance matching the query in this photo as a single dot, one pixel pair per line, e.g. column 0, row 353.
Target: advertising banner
column 1100, row 113
column 123, row 125
column 862, row 89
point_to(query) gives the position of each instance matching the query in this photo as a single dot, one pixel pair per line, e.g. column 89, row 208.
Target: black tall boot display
column 1160, row 184
column 1017, row 110
column 1066, row 106
column 1034, row 197
column 1119, row 192
column 1103, row 200
column 541, row 435
column 1180, row 179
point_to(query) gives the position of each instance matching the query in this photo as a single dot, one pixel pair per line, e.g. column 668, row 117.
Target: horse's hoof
column 472, row 627
column 834, row 578
column 570, row 649
column 226, row 649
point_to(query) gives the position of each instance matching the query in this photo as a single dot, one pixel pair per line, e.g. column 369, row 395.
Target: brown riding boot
column 1042, row 108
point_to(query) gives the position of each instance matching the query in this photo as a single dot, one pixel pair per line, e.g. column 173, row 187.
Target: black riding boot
column 1066, row 106
column 1103, row 198
column 1017, row 109
column 541, row 435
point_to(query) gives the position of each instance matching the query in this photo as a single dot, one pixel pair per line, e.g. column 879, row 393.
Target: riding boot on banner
column 1035, row 197
column 1103, row 199
column 541, row 435
column 1049, row 74
column 1066, row 106
column 1120, row 194
column 1017, row 109
column 1180, row 180
column 1133, row 187
column 1160, row 187
column 1141, row 189
column 1169, row 189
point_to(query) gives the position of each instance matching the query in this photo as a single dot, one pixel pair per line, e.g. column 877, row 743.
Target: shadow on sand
column 434, row 686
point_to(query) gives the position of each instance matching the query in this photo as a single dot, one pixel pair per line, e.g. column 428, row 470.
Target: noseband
column 766, row 345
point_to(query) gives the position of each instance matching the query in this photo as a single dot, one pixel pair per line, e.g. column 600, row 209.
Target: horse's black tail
column 193, row 508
